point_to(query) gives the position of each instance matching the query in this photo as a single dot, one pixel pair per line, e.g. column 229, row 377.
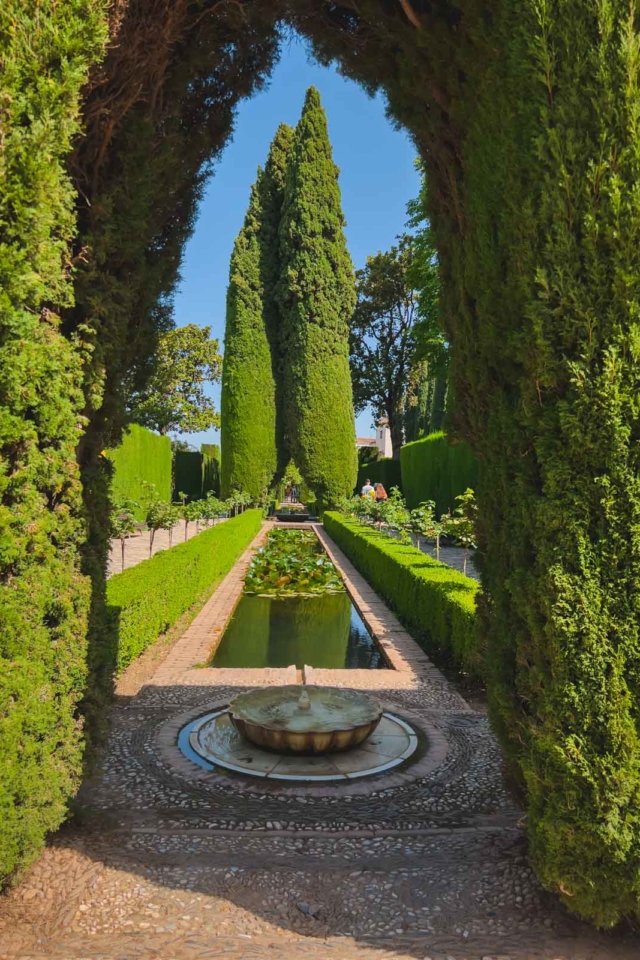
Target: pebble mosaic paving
column 170, row 861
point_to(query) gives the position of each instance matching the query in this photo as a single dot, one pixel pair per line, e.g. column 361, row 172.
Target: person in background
column 367, row 490
column 381, row 493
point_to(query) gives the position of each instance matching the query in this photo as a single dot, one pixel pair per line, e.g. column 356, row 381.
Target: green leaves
column 292, row 563
column 174, row 398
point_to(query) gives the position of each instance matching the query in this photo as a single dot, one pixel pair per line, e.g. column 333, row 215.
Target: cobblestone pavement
column 136, row 548
column 171, row 862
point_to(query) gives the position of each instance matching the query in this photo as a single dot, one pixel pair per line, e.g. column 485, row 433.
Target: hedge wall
column 142, row 456
column 188, row 474
column 385, row 471
column 210, row 468
column 437, row 603
column 434, row 469
column 146, row 600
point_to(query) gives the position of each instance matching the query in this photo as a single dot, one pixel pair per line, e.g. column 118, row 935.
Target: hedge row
column 385, row 471
column 187, row 474
column 437, row 603
column 142, row 457
column 146, row 600
column 435, row 469
column 210, row 469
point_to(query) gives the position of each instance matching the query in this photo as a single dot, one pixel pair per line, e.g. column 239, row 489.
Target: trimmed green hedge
column 437, row 603
column 434, row 469
column 142, row 457
column 385, row 471
column 210, row 469
column 187, row 474
column 146, row 600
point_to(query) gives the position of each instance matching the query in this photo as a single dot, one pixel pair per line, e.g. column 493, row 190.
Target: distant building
column 382, row 439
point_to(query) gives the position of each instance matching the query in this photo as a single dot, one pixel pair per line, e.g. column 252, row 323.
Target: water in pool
column 324, row 631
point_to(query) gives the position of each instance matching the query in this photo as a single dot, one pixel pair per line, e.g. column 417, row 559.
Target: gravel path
column 161, row 863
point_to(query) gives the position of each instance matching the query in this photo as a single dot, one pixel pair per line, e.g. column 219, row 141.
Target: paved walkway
column 169, row 861
column 136, row 548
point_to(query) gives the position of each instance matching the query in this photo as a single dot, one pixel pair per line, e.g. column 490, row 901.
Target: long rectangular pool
column 324, row 631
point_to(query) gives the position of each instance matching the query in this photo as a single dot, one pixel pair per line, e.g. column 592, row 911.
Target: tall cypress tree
column 272, row 196
column 316, row 294
column 248, row 388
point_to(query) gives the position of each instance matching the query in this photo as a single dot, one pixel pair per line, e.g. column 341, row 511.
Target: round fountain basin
column 335, row 719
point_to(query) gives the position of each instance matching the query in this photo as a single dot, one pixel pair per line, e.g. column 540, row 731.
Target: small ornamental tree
column 123, row 522
column 316, row 295
column 175, row 398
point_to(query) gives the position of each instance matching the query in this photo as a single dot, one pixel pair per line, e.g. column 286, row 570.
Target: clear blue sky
column 377, row 178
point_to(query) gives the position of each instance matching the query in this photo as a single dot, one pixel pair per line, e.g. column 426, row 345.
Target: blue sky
column 377, row 178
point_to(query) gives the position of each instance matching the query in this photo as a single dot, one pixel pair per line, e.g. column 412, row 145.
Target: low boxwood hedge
column 437, row 603
column 148, row 599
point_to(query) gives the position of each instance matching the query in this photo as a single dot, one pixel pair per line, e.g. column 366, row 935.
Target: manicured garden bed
column 146, row 600
column 437, row 603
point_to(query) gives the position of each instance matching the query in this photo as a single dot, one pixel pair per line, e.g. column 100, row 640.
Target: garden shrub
column 147, row 599
column 435, row 469
column 188, row 474
column 437, row 603
column 142, row 457
column 385, row 471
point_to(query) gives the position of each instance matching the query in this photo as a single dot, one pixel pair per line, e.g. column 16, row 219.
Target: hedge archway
column 525, row 115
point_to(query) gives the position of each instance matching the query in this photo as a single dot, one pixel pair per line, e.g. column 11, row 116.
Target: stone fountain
column 305, row 720
column 299, row 733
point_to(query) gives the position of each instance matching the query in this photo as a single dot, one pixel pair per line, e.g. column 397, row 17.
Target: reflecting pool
column 324, row 631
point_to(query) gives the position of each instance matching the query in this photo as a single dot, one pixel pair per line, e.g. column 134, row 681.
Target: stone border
column 434, row 755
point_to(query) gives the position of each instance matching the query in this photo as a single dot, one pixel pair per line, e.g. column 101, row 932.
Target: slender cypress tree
column 272, row 196
column 248, row 388
column 316, row 294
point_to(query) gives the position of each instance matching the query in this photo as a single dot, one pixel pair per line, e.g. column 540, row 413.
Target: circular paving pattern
column 212, row 741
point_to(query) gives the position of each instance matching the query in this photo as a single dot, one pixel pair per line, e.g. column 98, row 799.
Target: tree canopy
column 175, row 399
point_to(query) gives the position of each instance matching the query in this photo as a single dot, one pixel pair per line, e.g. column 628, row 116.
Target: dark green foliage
column 437, row 603
column 385, row 471
column 188, row 474
column 435, row 469
column 248, row 434
column 142, row 457
column 272, row 198
column 316, row 296
column 210, row 469
column 146, row 600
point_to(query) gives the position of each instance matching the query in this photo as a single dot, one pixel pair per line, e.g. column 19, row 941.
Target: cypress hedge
column 316, row 294
column 188, row 474
column 44, row 596
column 434, row 469
column 385, row 471
column 210, row 468
column 436, row 602
column 142, row 457
column 248, row 405
column 147, row 599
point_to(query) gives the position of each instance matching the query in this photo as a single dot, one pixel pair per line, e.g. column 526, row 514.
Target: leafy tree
column 316, row 295
column 174, row 398
column 383, row 340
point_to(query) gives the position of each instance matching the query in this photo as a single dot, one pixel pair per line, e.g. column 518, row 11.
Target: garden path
column 137, row 547
column 168, row 861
